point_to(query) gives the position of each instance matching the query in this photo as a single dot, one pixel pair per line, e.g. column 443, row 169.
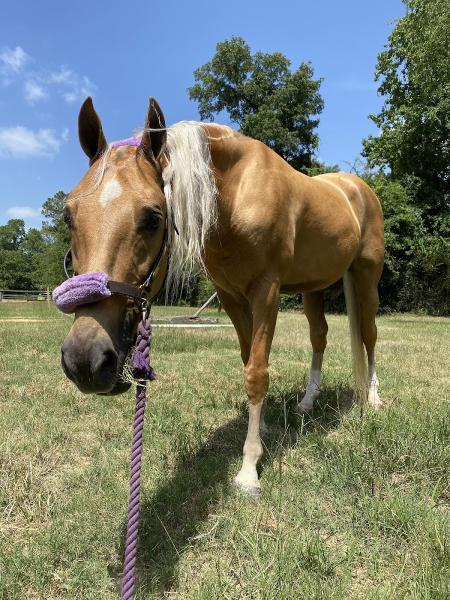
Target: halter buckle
column 145, row 308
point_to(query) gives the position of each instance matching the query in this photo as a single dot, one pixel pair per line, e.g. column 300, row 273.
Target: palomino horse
column 256, row 226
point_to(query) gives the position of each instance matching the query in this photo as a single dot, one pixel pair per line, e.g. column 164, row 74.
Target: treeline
column 407, row 164
column 33, row 259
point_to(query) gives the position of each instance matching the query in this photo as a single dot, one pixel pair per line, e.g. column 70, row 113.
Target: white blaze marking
column 111, row 190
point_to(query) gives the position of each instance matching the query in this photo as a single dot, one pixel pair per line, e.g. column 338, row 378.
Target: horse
column 230, row 205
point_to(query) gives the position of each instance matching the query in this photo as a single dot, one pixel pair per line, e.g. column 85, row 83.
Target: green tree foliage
column 57, row 240
column 261, row 95
column 34, row 259
column 18, row 252
column 413, row 152
column 414, row 71
column 416, row 261
column 33, row 243
column 12, row 234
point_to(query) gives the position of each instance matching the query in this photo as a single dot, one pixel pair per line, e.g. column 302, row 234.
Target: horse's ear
column 90, row 131
column 153, row 143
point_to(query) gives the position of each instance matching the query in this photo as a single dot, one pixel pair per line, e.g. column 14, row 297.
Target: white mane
column 191, row 196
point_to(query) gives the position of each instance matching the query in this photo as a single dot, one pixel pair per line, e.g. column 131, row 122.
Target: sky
column 53, row 54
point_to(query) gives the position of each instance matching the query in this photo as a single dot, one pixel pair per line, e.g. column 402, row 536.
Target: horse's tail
column 354, row 320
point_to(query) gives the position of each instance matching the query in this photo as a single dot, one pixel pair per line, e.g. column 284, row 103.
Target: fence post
column 48, row 296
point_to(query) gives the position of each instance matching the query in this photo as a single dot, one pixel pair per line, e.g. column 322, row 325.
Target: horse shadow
column 173, row 515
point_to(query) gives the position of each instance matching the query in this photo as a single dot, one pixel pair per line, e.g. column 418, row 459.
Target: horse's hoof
column 374, row 400
column 250, row 490
column 303, row 409
column 377, row 404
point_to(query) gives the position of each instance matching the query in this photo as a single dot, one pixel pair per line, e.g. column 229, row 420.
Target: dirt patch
column 25, row 320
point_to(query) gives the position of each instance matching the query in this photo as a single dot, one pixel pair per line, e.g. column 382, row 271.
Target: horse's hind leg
column 366, row 276
column 263, row 300
column 314, row 310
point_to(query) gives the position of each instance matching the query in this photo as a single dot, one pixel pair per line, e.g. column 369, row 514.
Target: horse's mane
column 191, row 196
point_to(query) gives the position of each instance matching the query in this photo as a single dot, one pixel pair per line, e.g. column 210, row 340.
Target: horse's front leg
column 264, row 304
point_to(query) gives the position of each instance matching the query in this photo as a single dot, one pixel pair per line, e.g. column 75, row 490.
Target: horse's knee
column 256, row 382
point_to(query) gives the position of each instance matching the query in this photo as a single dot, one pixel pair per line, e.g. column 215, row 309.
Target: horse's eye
column 150, row 220
column 67, row 217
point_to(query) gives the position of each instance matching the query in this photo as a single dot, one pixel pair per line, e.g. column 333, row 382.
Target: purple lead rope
column 143, row 372
column 92, row 287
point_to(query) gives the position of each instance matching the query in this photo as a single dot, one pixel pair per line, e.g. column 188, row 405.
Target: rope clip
column 145, row 308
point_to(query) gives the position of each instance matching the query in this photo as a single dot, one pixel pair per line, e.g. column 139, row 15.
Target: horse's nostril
column 64, row 365
column 105, row 364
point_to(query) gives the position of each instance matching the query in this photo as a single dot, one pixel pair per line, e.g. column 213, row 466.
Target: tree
column 263, row 97
column 32, row 243
column 52, row 210
column 414, row 71
column 12, row 234
column 20, row 254
column 57, row 239
column 413, row 151
column 16, row 272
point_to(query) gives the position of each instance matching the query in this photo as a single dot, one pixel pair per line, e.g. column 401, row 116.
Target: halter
column 92, row 287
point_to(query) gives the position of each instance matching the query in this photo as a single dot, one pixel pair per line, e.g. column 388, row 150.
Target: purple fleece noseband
column 81, row 289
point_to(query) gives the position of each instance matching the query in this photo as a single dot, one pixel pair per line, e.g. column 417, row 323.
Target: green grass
column 352, row 507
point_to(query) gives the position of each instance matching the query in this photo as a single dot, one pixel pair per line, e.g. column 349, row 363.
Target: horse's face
column 117, row 225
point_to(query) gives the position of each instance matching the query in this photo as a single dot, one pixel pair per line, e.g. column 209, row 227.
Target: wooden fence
column 25, row 295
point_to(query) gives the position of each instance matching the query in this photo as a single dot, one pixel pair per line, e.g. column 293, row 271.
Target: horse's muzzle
column 93, row 368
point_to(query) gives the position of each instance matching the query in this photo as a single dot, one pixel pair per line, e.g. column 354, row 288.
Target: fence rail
column 25, row 295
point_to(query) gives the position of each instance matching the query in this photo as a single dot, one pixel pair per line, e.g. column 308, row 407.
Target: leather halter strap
column 128, row 289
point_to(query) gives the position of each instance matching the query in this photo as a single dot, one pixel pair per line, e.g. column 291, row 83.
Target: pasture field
column 354, row 506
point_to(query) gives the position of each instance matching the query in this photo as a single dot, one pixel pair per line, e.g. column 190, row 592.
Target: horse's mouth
column 124, row 351
column 119, row 384
column 118, row 388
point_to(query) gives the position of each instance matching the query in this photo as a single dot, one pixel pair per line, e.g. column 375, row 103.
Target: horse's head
column 117, row 217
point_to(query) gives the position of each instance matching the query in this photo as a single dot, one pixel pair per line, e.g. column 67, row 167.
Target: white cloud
column 13, row 60
column 21, row 142
column 63, row 75
column 70, row 85
column 34, row 91
column 23, row 212
column 65, row 134
column 69, row 97
column 40, row 82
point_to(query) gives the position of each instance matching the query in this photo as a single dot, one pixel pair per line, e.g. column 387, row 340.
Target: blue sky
column 53, row 54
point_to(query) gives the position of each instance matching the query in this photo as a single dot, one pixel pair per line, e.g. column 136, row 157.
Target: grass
column 352, row 507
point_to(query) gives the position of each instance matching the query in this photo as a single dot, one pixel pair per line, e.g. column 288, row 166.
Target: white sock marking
column 374, row 399
column 313, row 387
